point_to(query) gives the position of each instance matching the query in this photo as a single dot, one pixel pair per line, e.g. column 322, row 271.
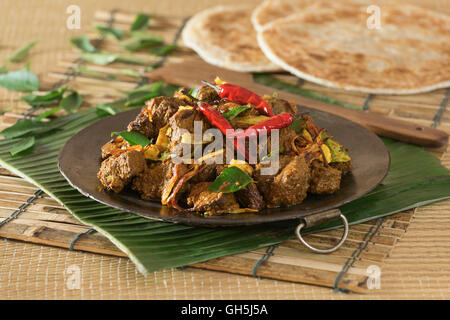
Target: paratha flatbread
column 331, row 45
column 271, row 10
column 225, row 37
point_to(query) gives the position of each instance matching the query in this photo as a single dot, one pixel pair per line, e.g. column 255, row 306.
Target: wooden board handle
column 191, row 72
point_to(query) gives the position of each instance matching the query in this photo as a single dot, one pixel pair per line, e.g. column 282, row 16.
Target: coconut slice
column 225, row 37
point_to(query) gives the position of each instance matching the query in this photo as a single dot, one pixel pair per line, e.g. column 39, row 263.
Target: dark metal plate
column 79, row 161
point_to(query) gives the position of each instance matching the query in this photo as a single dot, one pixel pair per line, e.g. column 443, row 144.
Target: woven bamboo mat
column 43, row 221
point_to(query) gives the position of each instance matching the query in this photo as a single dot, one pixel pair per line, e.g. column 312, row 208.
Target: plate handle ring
column 337, row 246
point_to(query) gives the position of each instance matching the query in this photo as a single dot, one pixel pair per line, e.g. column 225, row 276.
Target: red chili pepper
column 217, row 120
column 280, row 121
column 241, row 95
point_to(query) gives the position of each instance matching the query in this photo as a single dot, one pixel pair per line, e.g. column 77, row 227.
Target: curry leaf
column 104, row 58
column 163, row 50
column 49, row 98
column 20, row 54
column 140, row 22
column 100, row 58
column 72, row 102
column 129, row 72
column 22, row 145
column 83, row 43
column 116, row 33
column 20, row 80
column 105, row 110
column 21, row 128
column 130, row 59
column 133, row 138
column 140, row 40
column 231, row 179
column 235, row 112
column 95, row 73
column 48, row 113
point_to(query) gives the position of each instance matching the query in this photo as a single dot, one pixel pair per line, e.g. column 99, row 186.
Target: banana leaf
column 416, row 178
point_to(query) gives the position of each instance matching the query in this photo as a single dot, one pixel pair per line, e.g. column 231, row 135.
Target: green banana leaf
column 416, row 178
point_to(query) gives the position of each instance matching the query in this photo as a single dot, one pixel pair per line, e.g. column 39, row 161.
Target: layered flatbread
column 333, row 45
column 225, row 37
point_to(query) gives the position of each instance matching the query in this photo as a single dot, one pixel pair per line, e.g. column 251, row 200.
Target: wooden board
column 40, row 219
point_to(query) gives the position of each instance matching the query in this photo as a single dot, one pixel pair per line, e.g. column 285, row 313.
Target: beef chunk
column 201, row 199
column 280, row 105
column 112, row 147
column 209, row 173
column 250, row 197
column 344, row 167
column 116, row 171
column 155, row 115
column 141, row 124
column 184, row 119
column 289, row 186
column 284, row 143
column 183, row 94
column 149, row 182
column 324, row 179
column 173, row 172
column 207, row 94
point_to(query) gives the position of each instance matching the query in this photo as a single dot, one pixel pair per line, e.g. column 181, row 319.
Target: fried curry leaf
column 140, row 22
column 83, row 43
column 20, row 80
column 46, row 99
column 116, row 33
column 22, row 145
column 231, row 179
column 72, row 102
column 133, row 138
column 233, row 113
column 20, row 54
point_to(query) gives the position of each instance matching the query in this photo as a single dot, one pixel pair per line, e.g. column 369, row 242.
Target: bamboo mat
column 43, row 221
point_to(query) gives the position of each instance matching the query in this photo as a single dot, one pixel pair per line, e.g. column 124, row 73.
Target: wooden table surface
column 418, row 268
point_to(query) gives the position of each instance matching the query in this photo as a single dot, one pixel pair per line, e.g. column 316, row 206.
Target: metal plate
column 80, row 158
